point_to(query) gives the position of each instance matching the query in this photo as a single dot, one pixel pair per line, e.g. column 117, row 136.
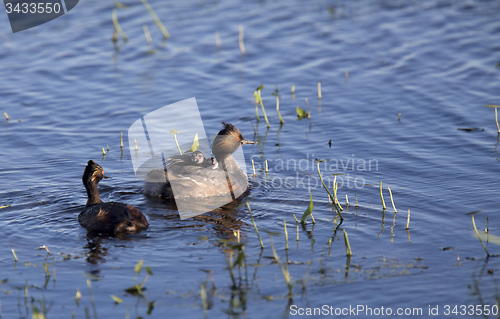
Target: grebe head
column 93, row 173
column 227, row 141
column 197, row 157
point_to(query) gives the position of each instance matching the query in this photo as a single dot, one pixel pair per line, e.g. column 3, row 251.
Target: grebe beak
column 247, row 142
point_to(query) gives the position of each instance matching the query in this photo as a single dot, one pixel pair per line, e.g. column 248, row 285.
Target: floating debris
column 470, row 129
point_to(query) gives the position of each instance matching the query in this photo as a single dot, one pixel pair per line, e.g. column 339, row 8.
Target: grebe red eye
column 237, row 138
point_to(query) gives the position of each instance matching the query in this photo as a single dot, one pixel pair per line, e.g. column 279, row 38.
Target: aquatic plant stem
column 118, row 29
column 347, row 245
column 284, row 269
column 329, row 194
column 382, row 196
column 392, row 200
column 408, row 220
column 496, row 120
column 278, row 109
column 263, row 110
column 286, row 234
column 255, row 226
column 477, row 233
column 92, row 300
column 157, row 20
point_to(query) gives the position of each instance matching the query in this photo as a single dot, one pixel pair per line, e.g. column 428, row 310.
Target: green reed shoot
column 135, row 142
column 157, row 20
column 103, row 152
column 319, row 90
column 286, row 234
column 392, row 200
column 174, row 133
column 276, row 93
column 6, row 116
column 14, row 253
column 253, row 168
column 347, row 245
column 296, row 220
column 346, row 201
column 335, row 186
column 330, row 196
column 4, row 206
column 382, row 196
column 258, row 97
column 477, row 233
column 293, row 89
column 356, row 197
column 283, row 268
column 78, row 296
column 255, row 226
column 496, row 114
column 203, row 295
column 92, row 300
column 147, row 34
column 267, row 167
column 309, row 209
column 195, row 146
column 137, row 288
column 297, row 235
column 117, row 26
column 121, row 139
column 47, row 272
column 301, row 114
column 116, row 299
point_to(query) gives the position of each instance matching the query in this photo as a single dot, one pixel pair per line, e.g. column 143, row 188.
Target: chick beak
column 105, row 177
column 243, row 142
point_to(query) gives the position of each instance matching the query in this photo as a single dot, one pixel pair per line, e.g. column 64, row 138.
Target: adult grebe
column 112, row 217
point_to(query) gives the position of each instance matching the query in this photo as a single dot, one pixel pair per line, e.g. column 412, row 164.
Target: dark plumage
column 212, row 177
column 110, row 218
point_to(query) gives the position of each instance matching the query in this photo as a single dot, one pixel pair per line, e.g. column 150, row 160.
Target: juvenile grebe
column 191, row 176
column 109, row 217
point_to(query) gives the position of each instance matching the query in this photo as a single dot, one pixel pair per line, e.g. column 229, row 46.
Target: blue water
column 69, row 92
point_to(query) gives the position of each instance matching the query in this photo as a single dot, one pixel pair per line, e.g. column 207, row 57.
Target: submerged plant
column 283, row 268
column 138, row 288
column 255, row 225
